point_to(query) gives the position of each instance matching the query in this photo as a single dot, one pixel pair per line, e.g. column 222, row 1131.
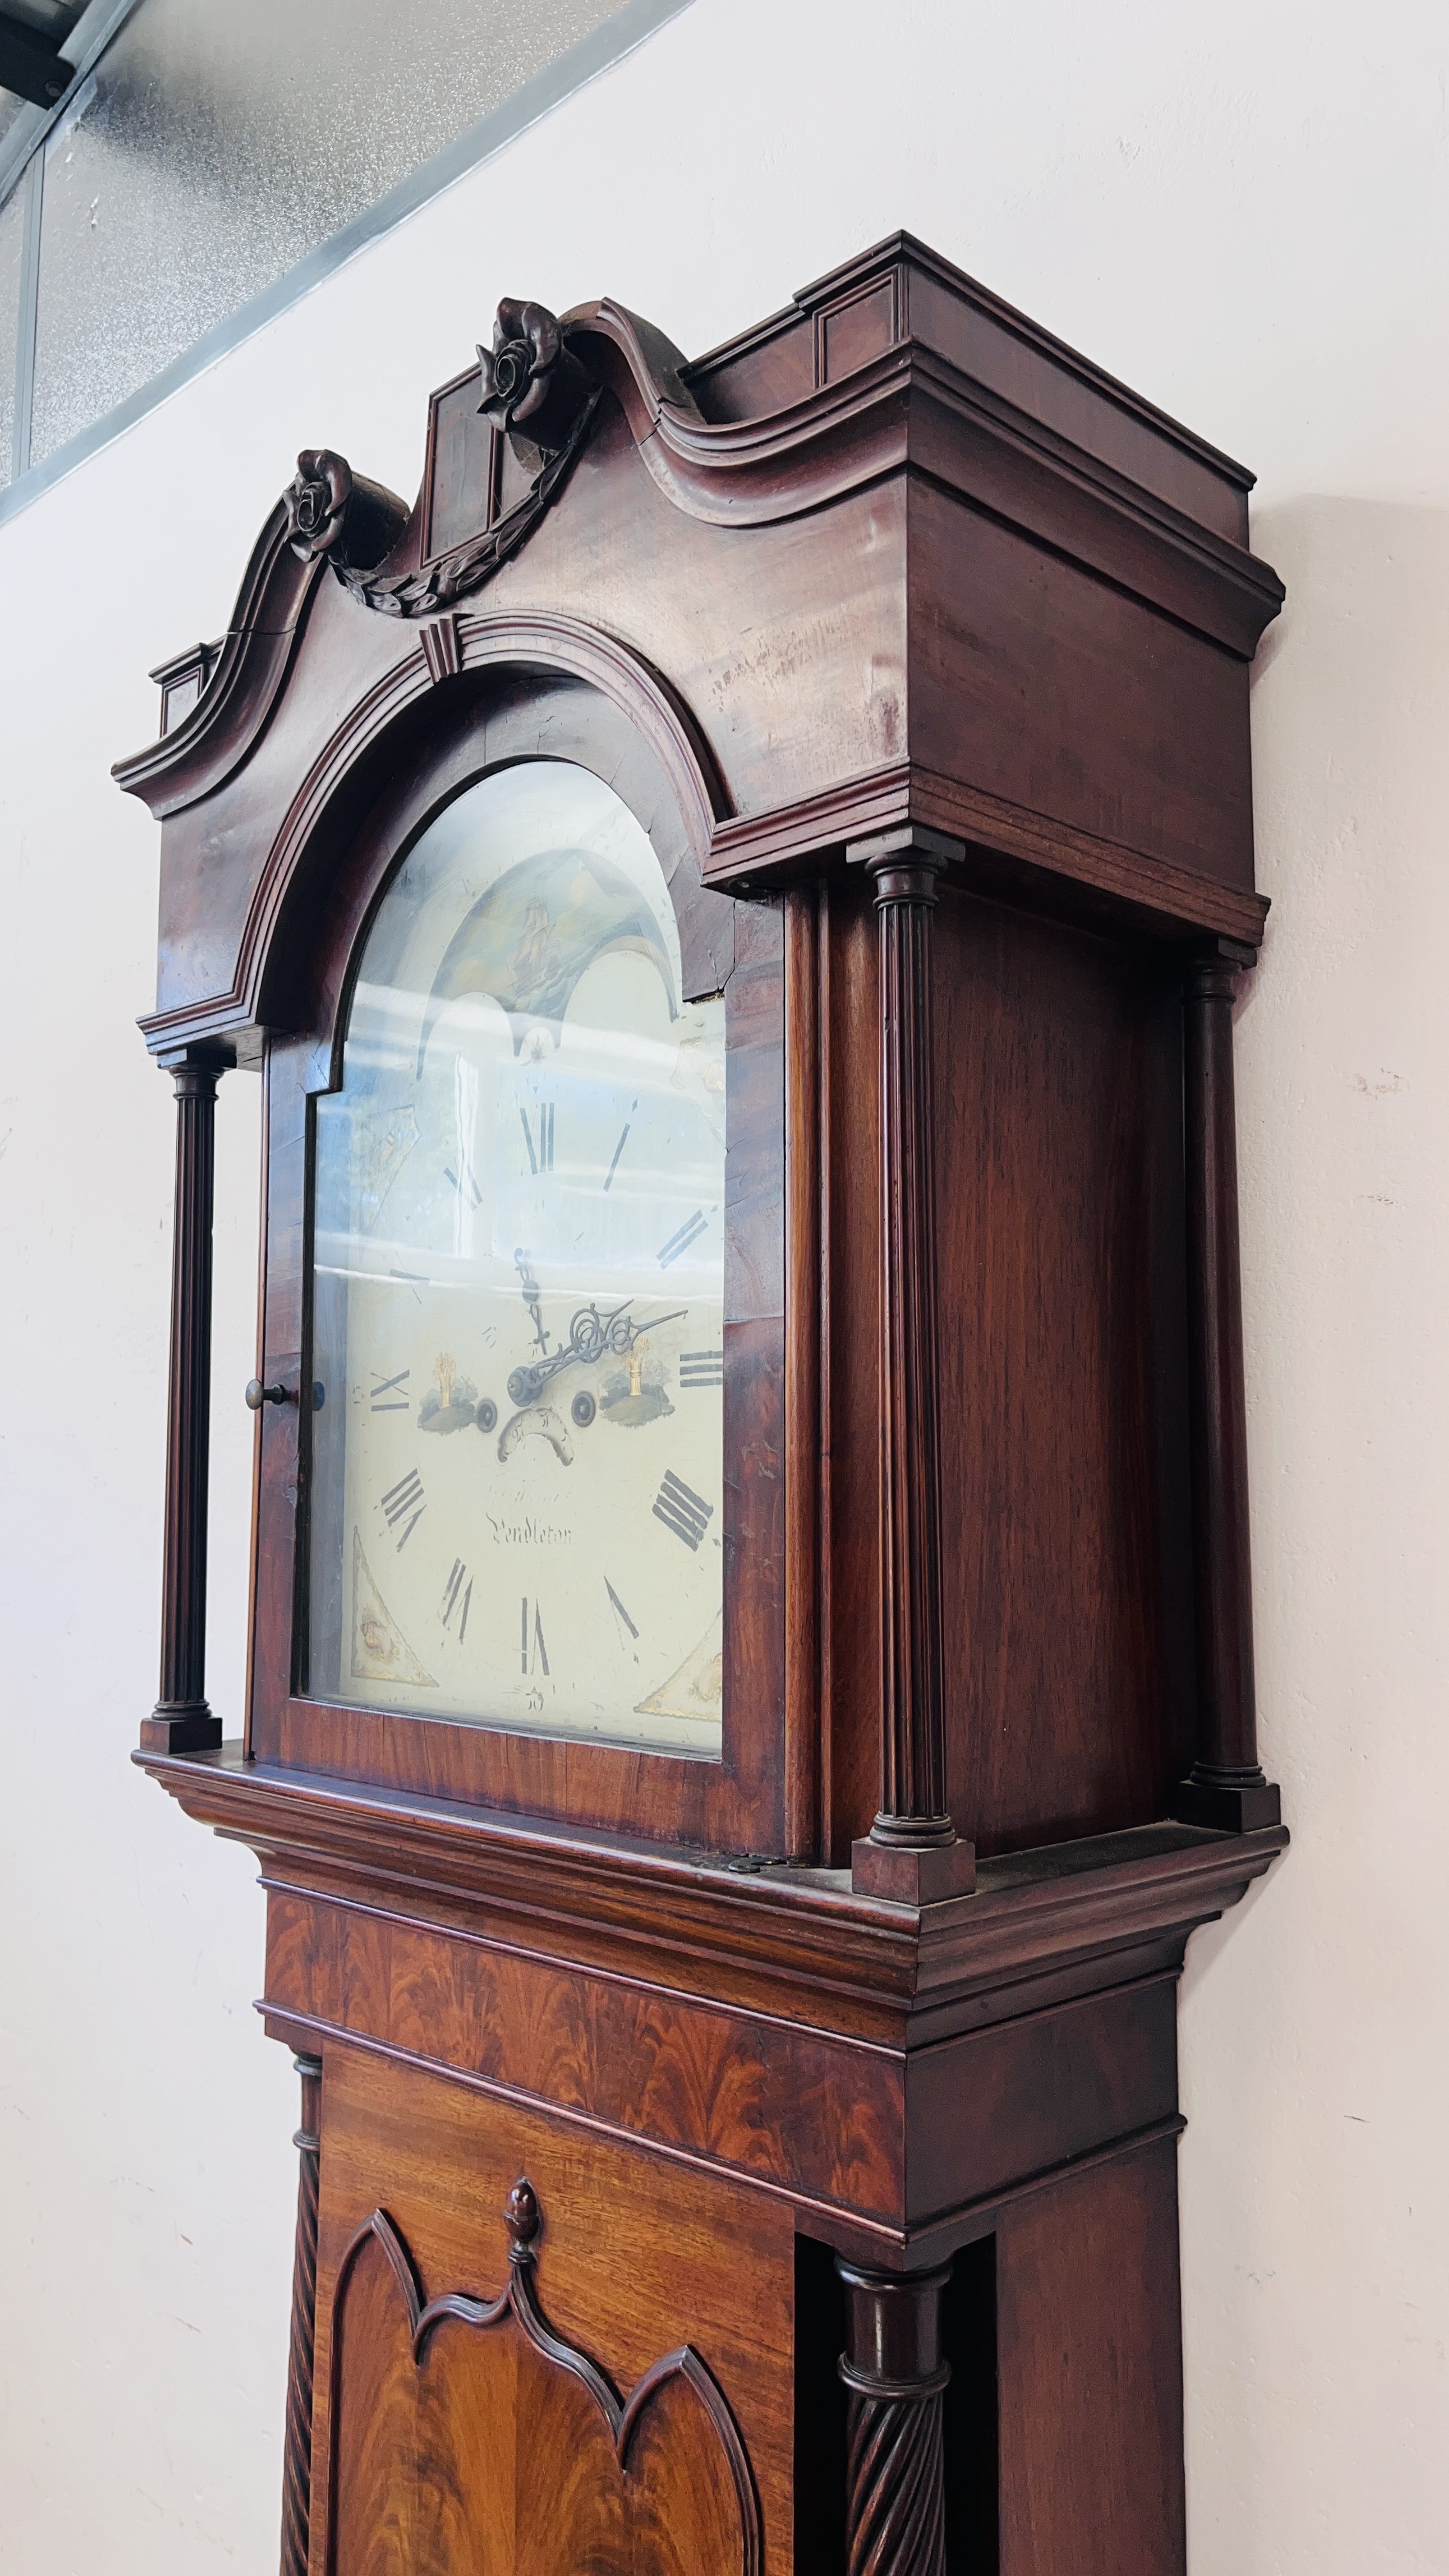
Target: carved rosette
column 533, row 386
column 895, row 2373
column 317, row 499
column 335, row 514
column 536, row 393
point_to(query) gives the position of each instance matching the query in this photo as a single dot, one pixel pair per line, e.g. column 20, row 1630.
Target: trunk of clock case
column 478, row 2451
column 1065, row 1531
column 447, row 2438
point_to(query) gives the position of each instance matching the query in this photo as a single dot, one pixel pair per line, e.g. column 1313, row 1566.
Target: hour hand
column 591, row 1337
column 531, row 1296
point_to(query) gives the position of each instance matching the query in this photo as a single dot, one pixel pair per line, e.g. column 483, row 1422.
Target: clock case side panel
column 1065, row 1507
column 750, row 1801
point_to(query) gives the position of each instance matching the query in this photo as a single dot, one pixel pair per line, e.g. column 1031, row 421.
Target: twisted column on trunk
column 895, row 2373
column 182, row 1721
column 912, row 1852
column 1226, row 1787
column 297, row 2457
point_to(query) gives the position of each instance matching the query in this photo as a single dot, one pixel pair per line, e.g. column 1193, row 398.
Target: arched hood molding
column 254, row 658
column 385, row 733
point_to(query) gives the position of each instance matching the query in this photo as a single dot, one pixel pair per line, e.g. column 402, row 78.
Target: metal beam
column 32, row 187
column 31, row 65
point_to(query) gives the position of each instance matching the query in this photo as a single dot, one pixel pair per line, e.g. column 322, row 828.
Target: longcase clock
column 735, row 901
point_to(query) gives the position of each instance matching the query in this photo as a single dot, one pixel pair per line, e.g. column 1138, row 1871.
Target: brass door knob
column 258, row 1395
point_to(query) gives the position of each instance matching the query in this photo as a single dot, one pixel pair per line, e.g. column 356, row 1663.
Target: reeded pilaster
column 912, row 1852
column 182, row 1721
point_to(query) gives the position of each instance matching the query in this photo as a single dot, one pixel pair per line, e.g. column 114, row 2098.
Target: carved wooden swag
column 536, row 392
column 423, row 2440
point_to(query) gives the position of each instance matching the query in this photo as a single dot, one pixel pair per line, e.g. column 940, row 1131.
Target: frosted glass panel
column 10, row 108
column 12, row 230
column 215, row 147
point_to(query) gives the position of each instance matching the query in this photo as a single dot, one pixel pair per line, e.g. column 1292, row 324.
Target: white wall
column 1244, row 211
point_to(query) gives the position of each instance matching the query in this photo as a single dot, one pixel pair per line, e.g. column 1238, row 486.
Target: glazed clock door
column 518, row 1284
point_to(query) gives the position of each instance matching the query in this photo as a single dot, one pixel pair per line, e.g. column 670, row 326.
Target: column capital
column 200, row 1058
column 1214, row 968
column 195, row 1081
column 895, row 2371
column 905, row 862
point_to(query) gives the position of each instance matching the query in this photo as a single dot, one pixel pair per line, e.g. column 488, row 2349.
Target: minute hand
column 591, row 1337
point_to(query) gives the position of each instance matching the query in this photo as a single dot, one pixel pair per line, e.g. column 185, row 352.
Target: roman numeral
column 701, row 1368
column 387, row 1396
column 457, row 1595
column 540, row 1156
column 540, row 1650
column 402, row 1499
column 682, row 1510
column 466, row 1187
column 619, row 1148
column 688, row 1233
column 619, row 1606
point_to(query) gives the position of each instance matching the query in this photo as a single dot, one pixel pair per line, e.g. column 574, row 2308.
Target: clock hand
column 592, row 1337
column 531, row 1297
column 589, row 1337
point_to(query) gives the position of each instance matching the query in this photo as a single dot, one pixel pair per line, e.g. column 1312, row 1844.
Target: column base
column 1227, row 1805
column 912, row 1874
column 184, row 1727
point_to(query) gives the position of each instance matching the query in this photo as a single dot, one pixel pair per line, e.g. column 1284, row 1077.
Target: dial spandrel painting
column 516, row 1499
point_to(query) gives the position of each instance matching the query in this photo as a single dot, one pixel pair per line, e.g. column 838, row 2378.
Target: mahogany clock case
column 1039, row 646
column 920, row 649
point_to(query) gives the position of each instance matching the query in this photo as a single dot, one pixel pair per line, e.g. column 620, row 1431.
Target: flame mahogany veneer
column 769, row 2165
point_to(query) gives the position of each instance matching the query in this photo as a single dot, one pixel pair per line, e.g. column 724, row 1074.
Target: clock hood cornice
column 832, row 491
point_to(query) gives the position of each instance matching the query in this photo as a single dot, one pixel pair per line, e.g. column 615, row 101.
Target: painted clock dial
column 515, row 1502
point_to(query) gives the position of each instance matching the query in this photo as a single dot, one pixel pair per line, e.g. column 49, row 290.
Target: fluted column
column 182, row 1721
column 297, row 2457
column 895, row 2372
column 912, row 1852
column 1226, row 1787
